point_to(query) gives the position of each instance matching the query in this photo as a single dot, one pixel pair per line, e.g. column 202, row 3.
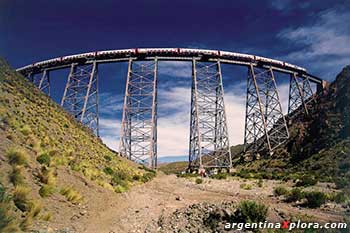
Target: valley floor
column 140, row 208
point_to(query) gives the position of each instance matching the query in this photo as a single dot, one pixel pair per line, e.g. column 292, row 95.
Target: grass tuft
column 17, row 157
column 72, row 195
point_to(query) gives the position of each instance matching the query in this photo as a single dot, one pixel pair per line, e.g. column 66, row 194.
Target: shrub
column 306, row 180
column 71, row 194
column 315, row 199
column 7, row 221
column 25, row 130
column 120, row 189
column 46, row 190
column 20, row 198
column 246, row 186
column 199, row 181
column 44, row 158
column 108, row 170
column 341, row 183
column 219, row 176
column 120, row 178
column 17, row 157
column 137, row 177
column 47, row 217
column 148, row 176
column 15, row 176
column 47, row 176
column 296, row 194
column 260, row 183
column 280, row 190
column 340, row 197
column 251, row 211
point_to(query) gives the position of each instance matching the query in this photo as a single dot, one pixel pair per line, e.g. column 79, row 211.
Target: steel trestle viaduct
column 265, row 124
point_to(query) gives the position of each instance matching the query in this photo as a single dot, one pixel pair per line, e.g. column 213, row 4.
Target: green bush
column 199, row 181
column 46, row 190
column 7, row 220
column 315, row 199
column 340, row 197
column 17, row 157
column 15, row 176
column 245, row 186
column 341, row 183
column 251, row 211
column 148, row 176
column 306, row 180
column 279, row 191
column 219, row 176
column 296, row 194
column 44, row 158
column 20, row 198
column 108, row 171
column 121, row 178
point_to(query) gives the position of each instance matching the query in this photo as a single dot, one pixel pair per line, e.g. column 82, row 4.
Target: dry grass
column 72, row 195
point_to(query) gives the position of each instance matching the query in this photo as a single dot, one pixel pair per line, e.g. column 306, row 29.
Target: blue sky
column 312, row 34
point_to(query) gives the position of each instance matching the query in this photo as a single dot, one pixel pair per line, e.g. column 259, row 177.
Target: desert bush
column 306, row 180
column 47, row 175
column 251, row 211
column 296, row 194
column 245, row 186
column 279, row 191
column 46, row 217
column 120, row 189
column 44, row 158
column 340, row 197
column 15, row 176
column 219, row 176
column 25, row 130
column 46, row 190
column 71, row 194
column 137, row 177
column 341, row 183
column 315, row 199
column 7, row 220
column 199, row 181
column 17, row 157
column 148, row 176
column 20, row 198
column 108, row 170
column 260, row 183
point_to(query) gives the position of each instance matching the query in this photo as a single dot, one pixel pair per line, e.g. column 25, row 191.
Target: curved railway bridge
column 265, row 124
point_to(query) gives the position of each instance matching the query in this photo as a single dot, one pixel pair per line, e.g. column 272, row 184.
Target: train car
column 290, row 66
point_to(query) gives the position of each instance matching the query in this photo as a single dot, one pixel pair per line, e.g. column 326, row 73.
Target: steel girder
column 209, row 142
column 265, row 124
column 301, row 95
column 41, row 81
column 138, row 140
column 80, row 96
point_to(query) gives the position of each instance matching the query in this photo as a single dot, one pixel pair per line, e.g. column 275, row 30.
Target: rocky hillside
column 319, row 144
column 50, row 165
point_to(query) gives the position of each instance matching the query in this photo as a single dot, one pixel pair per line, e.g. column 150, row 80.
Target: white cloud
column 324, row 44
column 176, row 69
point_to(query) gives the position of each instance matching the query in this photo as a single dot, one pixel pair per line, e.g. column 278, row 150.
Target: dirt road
column 134, row 210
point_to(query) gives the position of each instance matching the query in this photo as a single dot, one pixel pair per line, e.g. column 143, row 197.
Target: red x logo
column 285, row 224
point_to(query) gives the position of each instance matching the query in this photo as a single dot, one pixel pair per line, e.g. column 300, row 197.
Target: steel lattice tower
column 265, row 125
column 80, row 96
column 138, row 140
column 300, row 95
column 209, row 143
column 41, row 81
